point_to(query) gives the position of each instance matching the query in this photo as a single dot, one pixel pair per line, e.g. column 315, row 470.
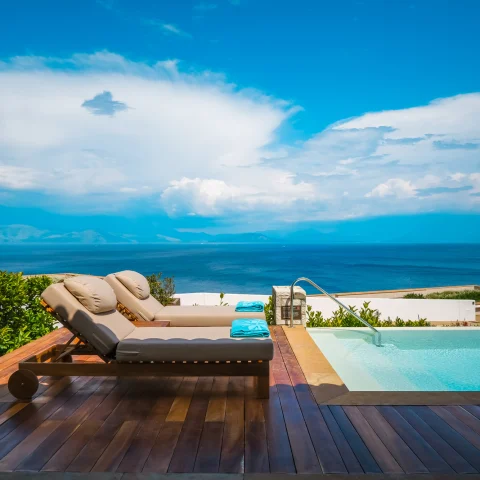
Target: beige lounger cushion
column 93, row 293
column 102, row 330
column 144, row 309
column 136, row 283
column 203, row 315
column 154, row 344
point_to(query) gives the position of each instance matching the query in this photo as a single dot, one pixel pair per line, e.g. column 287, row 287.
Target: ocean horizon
column 254, row 268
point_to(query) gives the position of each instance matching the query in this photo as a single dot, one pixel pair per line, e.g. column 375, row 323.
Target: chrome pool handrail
column 376, row 334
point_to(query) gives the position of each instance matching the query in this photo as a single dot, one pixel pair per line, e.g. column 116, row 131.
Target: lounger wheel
column 23, row 384
column 66, row 359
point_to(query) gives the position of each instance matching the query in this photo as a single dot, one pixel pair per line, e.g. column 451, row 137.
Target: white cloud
column 177, row 125
column 168, row 28
column 18, row 178
column 457, row 177
column 210, row 197
column 193, row 143
column 393, row 187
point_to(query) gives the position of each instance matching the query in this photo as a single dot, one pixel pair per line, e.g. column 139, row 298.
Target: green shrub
column 414, row 295
column 163, row 289
column 342, row 318
column 460, row 295
column 449, row 295
column 222, row 303
column 22, row 318
column 269, row 310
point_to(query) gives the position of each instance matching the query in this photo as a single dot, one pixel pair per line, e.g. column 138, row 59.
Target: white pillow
column 96, row 295
column 135, row 282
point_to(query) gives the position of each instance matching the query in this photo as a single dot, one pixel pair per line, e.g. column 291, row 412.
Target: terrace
column 216, row 425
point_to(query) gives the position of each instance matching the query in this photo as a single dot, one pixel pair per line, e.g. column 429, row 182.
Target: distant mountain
column 30, row 234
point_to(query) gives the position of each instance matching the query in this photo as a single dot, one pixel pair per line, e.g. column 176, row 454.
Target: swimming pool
column 410, row 359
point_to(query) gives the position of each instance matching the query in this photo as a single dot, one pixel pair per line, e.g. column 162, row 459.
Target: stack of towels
column 249, row 327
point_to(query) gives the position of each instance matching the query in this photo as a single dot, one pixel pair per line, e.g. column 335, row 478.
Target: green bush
column 449, row 295
column 268, row 310
column 22, row 318
column 163, row 289
column 342, row 318
column 414, row 295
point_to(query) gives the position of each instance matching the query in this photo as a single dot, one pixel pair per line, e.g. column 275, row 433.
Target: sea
column 255, row 268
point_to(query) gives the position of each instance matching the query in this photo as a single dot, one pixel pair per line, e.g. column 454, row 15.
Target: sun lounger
column 133, row 294
column 87, row 307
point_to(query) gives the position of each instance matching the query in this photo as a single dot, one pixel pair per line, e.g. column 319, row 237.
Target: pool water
column 410, row 359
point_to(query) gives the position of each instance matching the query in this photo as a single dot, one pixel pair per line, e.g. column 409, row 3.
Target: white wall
column 406, row 309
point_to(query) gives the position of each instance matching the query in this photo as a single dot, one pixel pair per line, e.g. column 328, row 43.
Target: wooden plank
column 179, row 409
column 57, row 453
column 163, row 448
column 113, row 454
column 402, row 453
column 74, row 444
column 256, row 449
column 13, row 408
column 209, row 449
column 358, row 446
column 232, row 455
column 457, row 425
column 128, row 414
column 139, row 450
column 473, row 409
column 465, row 416
column 303, row 450
column 327, row 452
column 451, row 456
column 278, row 444
column 31, row 348
column 34, row 419
column 218, row 400
column 451, row 436
column 17, row 419
column 42, row 454
column 114, row 418
column 382, row 456
column 57, row 387
column 351, row 462
column 424, row 451
column 15, row 457
column 183, row 459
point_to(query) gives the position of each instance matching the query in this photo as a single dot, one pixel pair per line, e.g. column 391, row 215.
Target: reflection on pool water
column 410, row 359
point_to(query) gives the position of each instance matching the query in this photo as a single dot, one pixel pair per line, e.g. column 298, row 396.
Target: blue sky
column 231, row 116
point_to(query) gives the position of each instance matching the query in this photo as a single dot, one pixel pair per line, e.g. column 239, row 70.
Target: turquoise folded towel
column 255, row 306
column 249, row 327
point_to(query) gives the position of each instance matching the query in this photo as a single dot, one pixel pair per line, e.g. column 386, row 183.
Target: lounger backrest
column 133, row 291
column 89, row 306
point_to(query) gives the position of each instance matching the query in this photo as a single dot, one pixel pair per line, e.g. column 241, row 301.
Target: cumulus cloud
column 194, row 144
column 393, row 187
column 211, row 197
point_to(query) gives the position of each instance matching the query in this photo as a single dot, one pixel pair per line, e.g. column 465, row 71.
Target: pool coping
column 328, row 388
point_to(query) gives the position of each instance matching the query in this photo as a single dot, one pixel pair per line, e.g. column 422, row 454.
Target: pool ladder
column 377, row 337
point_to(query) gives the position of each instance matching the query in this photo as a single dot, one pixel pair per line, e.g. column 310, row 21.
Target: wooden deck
column 216, row 425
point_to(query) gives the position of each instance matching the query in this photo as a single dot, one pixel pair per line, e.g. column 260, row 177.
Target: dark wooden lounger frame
column 57, row 361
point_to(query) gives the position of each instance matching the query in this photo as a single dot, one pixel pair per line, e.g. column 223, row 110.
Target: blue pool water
column 425, row 359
